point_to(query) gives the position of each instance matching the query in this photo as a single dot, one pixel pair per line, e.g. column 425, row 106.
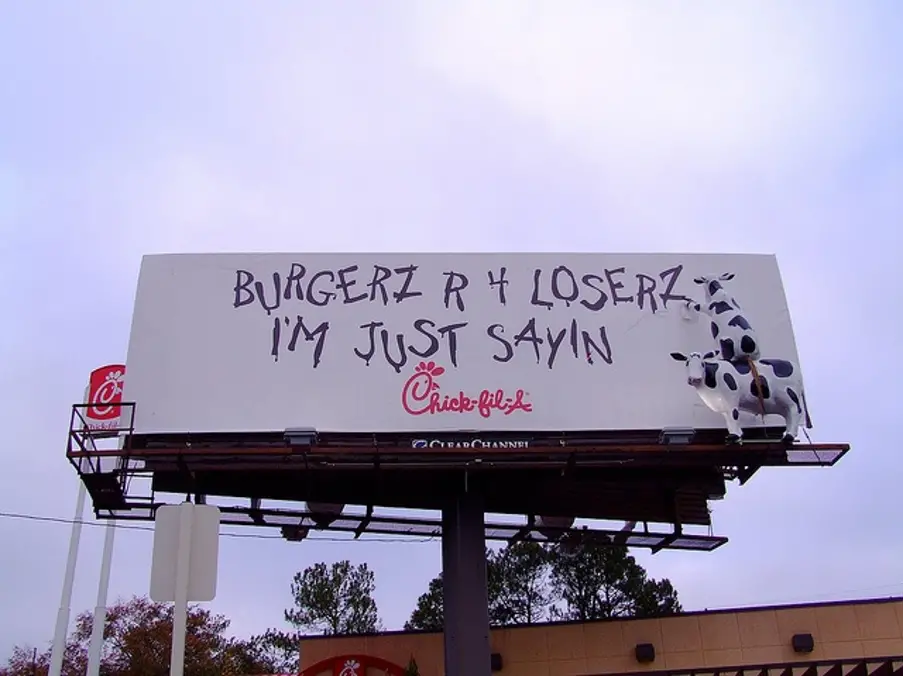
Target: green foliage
column 527, row 582
column 334, row 600
column 498, row 612
column 657, row 597
column 583, row 581
column 597, row 581
column 412, row 668
column 273, row 652
column 522, row 595
column 428, row 613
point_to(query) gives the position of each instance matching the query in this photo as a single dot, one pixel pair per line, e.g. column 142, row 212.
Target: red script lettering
column 421, row 395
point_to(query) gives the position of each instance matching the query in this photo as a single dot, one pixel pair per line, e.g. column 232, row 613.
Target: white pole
column 62, row 623
column 100, row 611
column 180, row 608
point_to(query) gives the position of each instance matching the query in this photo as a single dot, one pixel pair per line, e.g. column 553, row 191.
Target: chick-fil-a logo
column 105, row 395
column 351, row 667
column 421, row 395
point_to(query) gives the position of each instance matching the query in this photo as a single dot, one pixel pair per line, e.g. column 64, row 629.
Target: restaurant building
column 843, row 638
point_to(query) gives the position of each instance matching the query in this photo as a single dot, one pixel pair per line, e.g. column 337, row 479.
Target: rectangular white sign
column 436, row 342
column 202, row 557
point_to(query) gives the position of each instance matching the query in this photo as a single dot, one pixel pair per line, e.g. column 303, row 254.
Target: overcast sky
column 775, row 127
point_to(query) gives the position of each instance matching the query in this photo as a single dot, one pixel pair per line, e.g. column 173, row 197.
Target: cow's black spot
column 714, row 328
column 709, row 374
column 713, row 287
column 781, row 367
column 764, row 387
column 748, row 344
column 742, row 367
column 735, row 414
column 792, row 395
column 738, row 320
column 730, row 381
column 727, row 347
column 719, row 307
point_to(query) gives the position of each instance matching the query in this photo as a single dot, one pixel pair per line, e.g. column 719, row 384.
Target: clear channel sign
column 441, row 342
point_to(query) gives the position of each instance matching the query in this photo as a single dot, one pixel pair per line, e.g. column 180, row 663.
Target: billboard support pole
column 100, row 611
column 62, row 623
column 466, row 622
column 180, row 607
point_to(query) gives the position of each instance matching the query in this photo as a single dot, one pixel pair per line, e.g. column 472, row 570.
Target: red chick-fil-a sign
column 104, row 397
column 421, row 395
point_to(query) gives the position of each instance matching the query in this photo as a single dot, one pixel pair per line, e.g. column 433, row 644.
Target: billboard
column 447, row 342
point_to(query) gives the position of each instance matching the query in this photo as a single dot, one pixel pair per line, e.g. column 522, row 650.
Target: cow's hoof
column 788, row 439
column 733, row 439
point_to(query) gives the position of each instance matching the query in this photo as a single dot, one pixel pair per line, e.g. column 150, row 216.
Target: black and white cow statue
column 729, row 388
column 734, row 336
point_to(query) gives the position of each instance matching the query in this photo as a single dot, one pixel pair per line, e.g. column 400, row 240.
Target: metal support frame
column 109, row 474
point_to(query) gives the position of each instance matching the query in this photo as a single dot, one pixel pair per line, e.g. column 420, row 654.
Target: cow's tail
column 803, row 400
column 759, row 387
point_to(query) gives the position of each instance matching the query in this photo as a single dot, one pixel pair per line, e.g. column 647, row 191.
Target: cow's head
column 713, row 282
column 694, row 362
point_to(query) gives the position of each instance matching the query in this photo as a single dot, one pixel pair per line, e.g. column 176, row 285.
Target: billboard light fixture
column 300, row 436
column 294, row 533
column 673, row 436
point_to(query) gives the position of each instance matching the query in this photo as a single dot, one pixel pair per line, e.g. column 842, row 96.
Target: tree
column 599, row 581
column 412, row 669
column 522, row 595
column 428, row 613
column 137, row 641
column 498, row 613
column 26, row 661
column 571, row 580
column 139, row 636
column 516, row 589
column 335, row 600
column 657, row 597
column 273, row 652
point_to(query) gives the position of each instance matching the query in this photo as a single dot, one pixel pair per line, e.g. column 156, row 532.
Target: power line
column 411, row 540
column 248, row 536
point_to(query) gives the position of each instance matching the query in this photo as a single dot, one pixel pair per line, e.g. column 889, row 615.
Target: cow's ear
column 726, row 276
column 710, row 355
column 699, row 280
column 677, row 356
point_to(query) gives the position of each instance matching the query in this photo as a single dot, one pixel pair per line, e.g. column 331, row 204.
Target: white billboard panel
column 438, row 342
